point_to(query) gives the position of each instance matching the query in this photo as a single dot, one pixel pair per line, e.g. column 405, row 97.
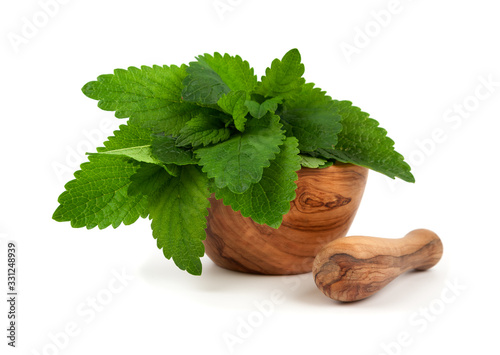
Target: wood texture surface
column 323, row 210
column 353, row 268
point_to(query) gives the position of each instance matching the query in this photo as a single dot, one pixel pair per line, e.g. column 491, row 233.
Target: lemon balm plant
column 213, row 127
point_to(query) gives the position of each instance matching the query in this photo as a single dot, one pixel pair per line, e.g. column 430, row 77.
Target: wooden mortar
column 323, row 210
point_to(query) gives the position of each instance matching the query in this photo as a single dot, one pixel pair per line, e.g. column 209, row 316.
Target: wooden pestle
column 353, row 268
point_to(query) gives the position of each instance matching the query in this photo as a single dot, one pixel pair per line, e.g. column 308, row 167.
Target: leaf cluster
column 211, row 127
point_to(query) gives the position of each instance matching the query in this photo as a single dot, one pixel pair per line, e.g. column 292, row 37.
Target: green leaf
column 164, row 150
column 172, row 169
column 311, row 118
column 132, row 141
column 148, row 180
column 363, row 142
column 326, row 165
column 259, row 110
column 210, row 77
column 141, row 154
column 284, row 77
column 127, row 136
column 312, row 162
column 238, row 162
column 98, row 195
column 233, row 103
column 269, row 199
column 178, row 218
column 204, row 129
column 137, row 143
column 150, row 96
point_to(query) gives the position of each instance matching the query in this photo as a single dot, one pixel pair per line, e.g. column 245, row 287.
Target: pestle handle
column 353, row 268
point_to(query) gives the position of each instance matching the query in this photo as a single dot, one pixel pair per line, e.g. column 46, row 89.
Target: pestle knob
column 353, row 268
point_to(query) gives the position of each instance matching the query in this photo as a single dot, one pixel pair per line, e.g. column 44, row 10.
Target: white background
column 413, row 73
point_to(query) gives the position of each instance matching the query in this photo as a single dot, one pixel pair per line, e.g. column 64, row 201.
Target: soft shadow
column 411, row 288
column 213, row 279
column 222, row 288
column 217, row 279
column 310, row 295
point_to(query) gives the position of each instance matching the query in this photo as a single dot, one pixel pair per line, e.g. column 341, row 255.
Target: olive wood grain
column 323, row 210
column 353, row 268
